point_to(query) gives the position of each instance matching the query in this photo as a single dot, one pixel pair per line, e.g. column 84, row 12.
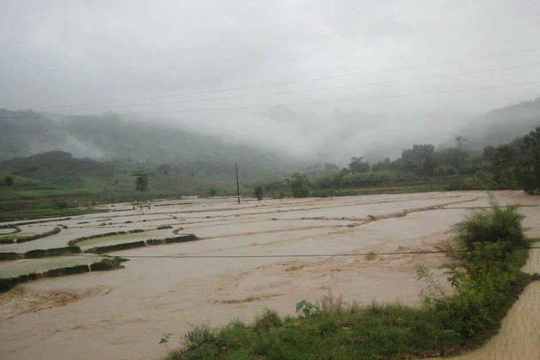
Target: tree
column 460, row 141
column 328, row 167
column 517, row 164
column 141, row 180
column 8, row 181
column 164, row 169
column 382, row 165
column 357, row 165
column 259, row 192
column 300, row 186
column 489, row 153
column 419, row 160
column 456, row 158
column 529, row 170
column 503, row 164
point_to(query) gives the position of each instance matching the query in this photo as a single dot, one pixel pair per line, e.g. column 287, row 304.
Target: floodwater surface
column 123, row 314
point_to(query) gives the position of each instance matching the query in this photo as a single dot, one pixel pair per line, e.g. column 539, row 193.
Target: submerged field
column 123, row 314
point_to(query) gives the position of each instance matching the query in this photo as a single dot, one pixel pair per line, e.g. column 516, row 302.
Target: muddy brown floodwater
column 123, row 314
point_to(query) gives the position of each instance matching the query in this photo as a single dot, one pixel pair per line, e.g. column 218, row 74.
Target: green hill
column 119, row 138
column 57, row 168
column 501, row 126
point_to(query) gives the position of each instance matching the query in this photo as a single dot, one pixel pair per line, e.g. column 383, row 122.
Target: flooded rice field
column 240, row 265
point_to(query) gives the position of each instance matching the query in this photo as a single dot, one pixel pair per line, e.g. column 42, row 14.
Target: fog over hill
column 502, row 125
column 310, row 81
column 330, row 135
column 114, row 137
column 279, row 137
column 333, row 136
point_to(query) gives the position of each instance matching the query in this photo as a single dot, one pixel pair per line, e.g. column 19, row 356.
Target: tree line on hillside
column 57, row 167
column 515, row 165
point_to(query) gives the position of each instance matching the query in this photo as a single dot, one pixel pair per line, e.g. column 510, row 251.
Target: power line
column 75, row 107
column 336, row 101
column 481, row 57
column 390, row 253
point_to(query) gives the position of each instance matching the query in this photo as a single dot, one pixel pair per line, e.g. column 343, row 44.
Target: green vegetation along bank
column 513, row 166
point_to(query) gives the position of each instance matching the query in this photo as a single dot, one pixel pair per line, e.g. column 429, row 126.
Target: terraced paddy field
column 28, row 266
column 242, row 262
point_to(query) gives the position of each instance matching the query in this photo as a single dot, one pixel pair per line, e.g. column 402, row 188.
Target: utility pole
column 237, row 183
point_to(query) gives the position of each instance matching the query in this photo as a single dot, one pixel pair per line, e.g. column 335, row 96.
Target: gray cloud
column 319, row 78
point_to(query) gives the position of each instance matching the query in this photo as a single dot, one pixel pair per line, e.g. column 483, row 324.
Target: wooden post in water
column 237, row 183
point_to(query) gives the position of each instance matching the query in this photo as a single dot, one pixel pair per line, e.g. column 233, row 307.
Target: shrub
column 107, row 264
column 480, row 181
column 77, row 269
column 529, row 170
column 486, row 241
column 331, row 303
column 267, row 320
column 198, row 337
column 489, row 252
column 300, row 186
column 8, row 181
column 60, row 205
column 258, row 192
column 306, row 308
column 7, row 283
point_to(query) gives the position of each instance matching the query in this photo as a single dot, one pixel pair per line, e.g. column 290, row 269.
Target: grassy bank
column 15, row 273
column 404, row 189
column 22, row 204
column 484, row 269
column 17, row 239
column 34, row 204
column 303, row 186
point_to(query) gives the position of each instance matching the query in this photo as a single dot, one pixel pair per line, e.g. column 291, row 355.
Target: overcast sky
column 308, row 75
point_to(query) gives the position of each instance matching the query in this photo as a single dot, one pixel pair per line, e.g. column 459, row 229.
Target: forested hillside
column 502, row 125
column 58, row 168
column 115, row 137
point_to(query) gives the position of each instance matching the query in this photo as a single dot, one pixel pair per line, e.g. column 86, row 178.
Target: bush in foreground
column 258, row 192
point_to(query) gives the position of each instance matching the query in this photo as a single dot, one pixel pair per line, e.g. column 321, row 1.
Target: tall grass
column 490, row 250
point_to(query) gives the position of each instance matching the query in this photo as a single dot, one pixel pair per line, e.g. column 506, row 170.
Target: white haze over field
column 322, row 79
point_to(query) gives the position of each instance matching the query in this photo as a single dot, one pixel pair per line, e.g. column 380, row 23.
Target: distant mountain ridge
column 123, row 138
column 502, row 125
column 116, row 137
